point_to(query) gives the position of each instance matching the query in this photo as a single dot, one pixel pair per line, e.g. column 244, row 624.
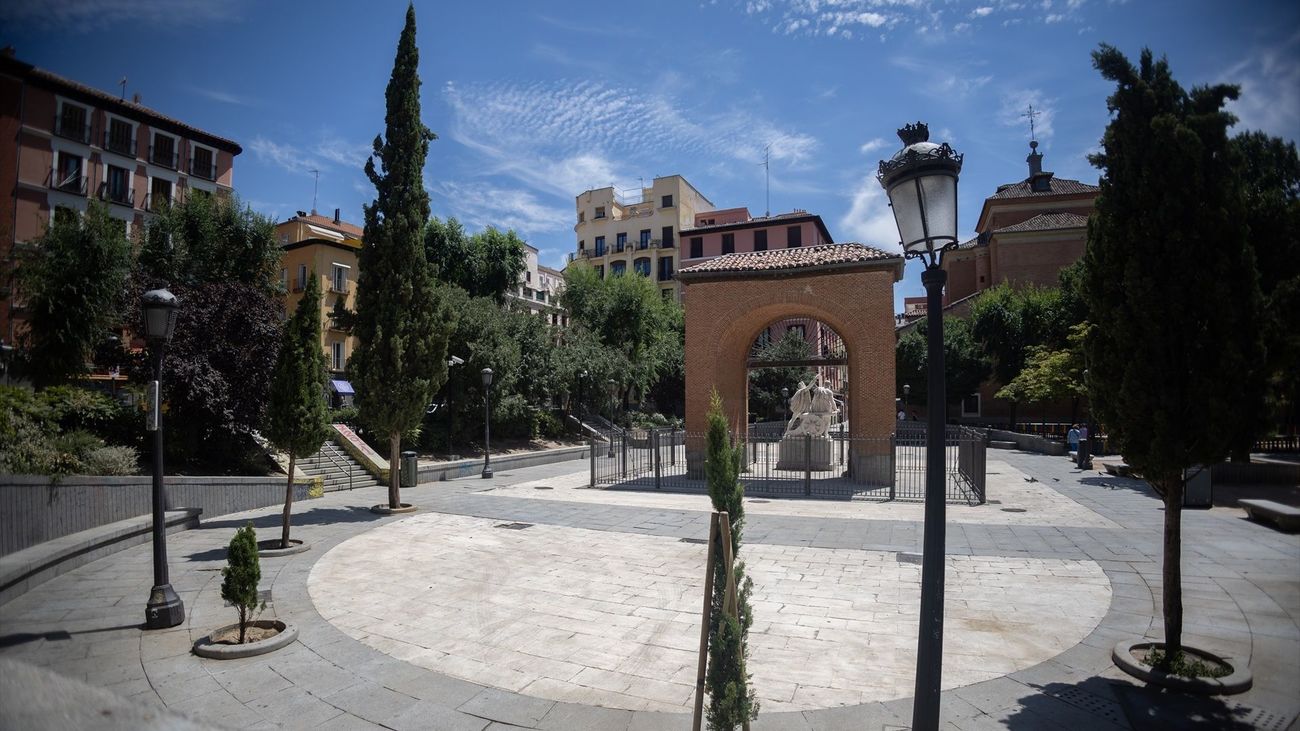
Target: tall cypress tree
column 1171, row 287
column 298, row 421
column 402, row 319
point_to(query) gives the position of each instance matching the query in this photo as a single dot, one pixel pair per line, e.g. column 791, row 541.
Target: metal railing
column 120, row 145
column 838, row 466
column 327, row 450
column 1277, row 444
column 75, row 184
column 204, row 170
column 117, row 194
column 165, row 156
column 72, row 129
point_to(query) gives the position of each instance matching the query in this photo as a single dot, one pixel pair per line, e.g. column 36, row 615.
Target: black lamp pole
column 487, row 422
column 164, row 608
column 612, row 387
column 921, row 180
column 907, row 391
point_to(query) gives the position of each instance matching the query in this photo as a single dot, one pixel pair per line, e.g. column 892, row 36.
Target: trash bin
column 1197, row 492
column 410, row 469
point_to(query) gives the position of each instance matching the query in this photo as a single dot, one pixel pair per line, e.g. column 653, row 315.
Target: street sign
column 151, row 420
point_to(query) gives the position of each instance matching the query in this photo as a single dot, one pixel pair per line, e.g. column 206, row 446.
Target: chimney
column 1039, row 181
column 336, row 215
column 135, row 98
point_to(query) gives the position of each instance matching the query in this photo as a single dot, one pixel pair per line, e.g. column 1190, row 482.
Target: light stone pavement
column 1241, row 588
column 613, row 620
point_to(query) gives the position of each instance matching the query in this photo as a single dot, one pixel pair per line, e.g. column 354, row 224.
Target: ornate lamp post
column 487, row 422
column 921, row 180
column 164, row 609
column 612, row 388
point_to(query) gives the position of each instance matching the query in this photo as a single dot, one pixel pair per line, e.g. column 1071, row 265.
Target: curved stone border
column 385, row 510
column 206, row 648
column 270, row 548
column 1239, row 681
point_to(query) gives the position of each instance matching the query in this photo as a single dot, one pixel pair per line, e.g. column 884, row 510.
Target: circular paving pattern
column 612, row 619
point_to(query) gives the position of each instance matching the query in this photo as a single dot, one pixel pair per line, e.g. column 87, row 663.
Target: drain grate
column 908, row 558
column 701, row 541
column 513, row 526
column 1014, row 510
column 1092, row 703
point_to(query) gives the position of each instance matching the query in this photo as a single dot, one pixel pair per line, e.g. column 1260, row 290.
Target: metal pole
column 487, row 431
column 807, row 464
column 164, row 609
column 929, row 647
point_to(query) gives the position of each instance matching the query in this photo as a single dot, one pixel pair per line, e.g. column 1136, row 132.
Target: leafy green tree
column 1051, row 375
column 74, row 281
column 402, row 317
column 765, row 384
column 1007, row 322
column 298, row 417
column 1171, row 287
column 485, row 264
column 210, row 239
column 241, row 575
column 732, row 701
column 965, row 365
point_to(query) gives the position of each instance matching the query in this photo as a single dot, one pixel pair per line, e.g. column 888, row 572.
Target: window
column 160, row 193
column 117, row 185
column 582, row 246
column 284, row 239
column 666, row 239
column 665, row 268
column 666, row 202
column 301, row 284
column 528, row 276
column 528, row 292
column 600, row 246
column 203, row 165
column 163, row 150
column 697, row 247
column 284, row 279
column 799, row 330
column 644, row 242
column 336, row 355
column 970, row 406
column 582, row 216
column 68, row 177
column 600, row 271
column 600, row 212
column 617, row 268
column 120, row 137
column 760, row 240
column 642, row 266
column 339, row 278
column 728, row 243
column 794, row 236
column 72, row 123
column 620, row 241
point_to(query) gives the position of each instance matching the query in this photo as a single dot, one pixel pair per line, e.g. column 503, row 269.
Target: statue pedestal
column 799, row 452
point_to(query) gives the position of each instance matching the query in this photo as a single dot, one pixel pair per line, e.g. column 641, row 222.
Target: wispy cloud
column 869, row 219
column 941, row 85
column 224, row 97
column 1014, row 109
column 328, row 151
column 980, row 12
column 83, row 16
column 481, row 205
column 870, row 146
column 1270, row 89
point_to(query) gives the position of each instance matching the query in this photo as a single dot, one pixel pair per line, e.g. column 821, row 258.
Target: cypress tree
column 298, row 421
column 731, row 699
column 241, row 575
column 1171, row 287
column 402, row 319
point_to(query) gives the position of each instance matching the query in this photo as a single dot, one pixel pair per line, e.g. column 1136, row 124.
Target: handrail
column 335, row 462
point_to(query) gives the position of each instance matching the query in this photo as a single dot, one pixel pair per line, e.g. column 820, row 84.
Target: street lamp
column 582, row 387
column 612, row 388
column 921, row 181
column 785, row 407
column 487, row 422
column 164, row 609
column 454, row 360
column 907, row 391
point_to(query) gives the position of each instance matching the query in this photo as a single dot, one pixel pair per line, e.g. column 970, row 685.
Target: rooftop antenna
column 767, row 178
column 122, row 84
column 314, row 189
column 1031, row 114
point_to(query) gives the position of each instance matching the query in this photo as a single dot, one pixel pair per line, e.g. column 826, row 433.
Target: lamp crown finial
column 911, row 134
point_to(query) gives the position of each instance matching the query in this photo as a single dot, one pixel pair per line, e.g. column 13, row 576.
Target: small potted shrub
column 247, row 637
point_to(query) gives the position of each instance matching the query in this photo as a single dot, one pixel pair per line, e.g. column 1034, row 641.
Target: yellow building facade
column 329, row 248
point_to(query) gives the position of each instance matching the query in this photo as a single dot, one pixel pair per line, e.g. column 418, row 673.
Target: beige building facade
column 539, row 290
column 328, row 248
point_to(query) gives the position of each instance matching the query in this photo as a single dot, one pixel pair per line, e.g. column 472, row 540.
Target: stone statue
column 813, row 409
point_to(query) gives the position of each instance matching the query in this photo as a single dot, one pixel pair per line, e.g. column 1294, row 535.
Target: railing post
column 593, row 461
column 893, row 464
column 654, row 446
column 807, row 464
column 624, row 451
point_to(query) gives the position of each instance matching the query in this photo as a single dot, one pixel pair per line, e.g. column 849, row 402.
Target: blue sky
column 535, row 102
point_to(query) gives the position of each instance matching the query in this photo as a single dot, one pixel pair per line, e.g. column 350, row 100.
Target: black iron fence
column 838, row 466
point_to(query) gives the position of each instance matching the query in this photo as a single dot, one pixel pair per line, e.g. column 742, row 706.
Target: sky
column 536, row 102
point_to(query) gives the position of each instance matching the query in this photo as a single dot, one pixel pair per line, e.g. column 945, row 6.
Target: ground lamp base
column 165, row 609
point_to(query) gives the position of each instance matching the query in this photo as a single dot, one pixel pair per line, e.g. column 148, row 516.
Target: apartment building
column 733, row 230
column 639, row 232
column 539, row 290
column 330, row 248
column 65, row 142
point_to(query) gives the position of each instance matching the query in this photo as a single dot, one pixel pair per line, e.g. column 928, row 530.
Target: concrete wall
column 34, row 510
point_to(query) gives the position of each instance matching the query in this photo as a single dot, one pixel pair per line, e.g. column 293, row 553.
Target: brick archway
column 730, row 299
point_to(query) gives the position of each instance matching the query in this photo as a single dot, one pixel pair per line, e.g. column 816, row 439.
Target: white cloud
column 327, row 151
column 224, row 97
column 869, row 219
column 980, row 12
column 83, row 16
column 1015, row 106
column 870, row 146
column 1054, row 18
column 481, row 205
column 943, row 85
column 1270, row 89
column 838, row 18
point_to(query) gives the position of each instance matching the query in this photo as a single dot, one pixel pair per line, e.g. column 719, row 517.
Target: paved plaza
column 530, row 601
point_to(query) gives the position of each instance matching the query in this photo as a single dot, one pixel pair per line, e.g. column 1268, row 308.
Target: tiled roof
column 1057, row 186
column 52, row 79
column 1046, row 222
column 755, row 221
column 801, row 257
column 343, row 227
column 970, row 243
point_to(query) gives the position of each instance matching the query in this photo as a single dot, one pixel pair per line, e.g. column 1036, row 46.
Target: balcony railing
column 75, row 184
column 157, row 202
column 665, row 276
column 72, row 130
column 164, row 157
column 122, row 146
column 206, row 170
column 339, row 287
column 119, row 195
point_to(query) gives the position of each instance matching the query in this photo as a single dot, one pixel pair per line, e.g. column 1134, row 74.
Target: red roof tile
column 1046, row 222
column 802, row 257
column 1057, row 186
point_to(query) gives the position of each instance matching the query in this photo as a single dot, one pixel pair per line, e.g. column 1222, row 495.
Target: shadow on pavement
column 1106, row 705
column 22, row 638
column 315, row 516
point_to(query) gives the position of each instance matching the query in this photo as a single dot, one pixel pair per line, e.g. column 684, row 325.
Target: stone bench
column 1001, row 444
column 1285, row 517
column 22, row 570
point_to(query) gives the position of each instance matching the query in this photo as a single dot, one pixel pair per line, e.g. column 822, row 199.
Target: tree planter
column 285, row 634
column 385, row 510
column 1238, row 681
column 271, row 548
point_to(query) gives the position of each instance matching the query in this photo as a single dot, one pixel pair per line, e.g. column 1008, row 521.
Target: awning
column 342, row 387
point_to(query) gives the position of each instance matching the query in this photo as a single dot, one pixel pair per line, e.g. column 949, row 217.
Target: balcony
column 120, row 195
column 72, row 129
column 120, row 145
column 162, row 156
column 202, row 169
column 157, row 202
column 74, row 184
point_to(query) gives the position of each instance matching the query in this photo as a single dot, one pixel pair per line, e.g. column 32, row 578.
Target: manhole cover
column 908, row 558
column 543, row 487
column 700, row 541
column 1014, row 510
column 514, row 526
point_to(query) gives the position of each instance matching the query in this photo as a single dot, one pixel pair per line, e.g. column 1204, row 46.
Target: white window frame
column 58, row 116
column 336, row 269
column 979, row 406
column 171, row 198
column 109, row 118
column 104, row 165
column 338, row 357
column 154, row 134
column 301, row 281
column 195, row 146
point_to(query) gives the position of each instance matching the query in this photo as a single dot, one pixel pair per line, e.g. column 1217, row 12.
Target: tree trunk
column 394, row 470
column 1011, row 417
column 288, row 503
column 1173, row 572
column 243, row 623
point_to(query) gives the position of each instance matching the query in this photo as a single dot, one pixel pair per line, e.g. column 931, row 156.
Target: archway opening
column 785, row 356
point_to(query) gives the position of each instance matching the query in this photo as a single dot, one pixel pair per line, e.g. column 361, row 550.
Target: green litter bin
column 410, row 469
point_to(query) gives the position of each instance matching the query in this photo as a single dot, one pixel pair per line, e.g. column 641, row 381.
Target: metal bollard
column 654, row 446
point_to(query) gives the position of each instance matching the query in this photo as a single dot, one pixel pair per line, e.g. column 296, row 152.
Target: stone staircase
column 336, row 466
